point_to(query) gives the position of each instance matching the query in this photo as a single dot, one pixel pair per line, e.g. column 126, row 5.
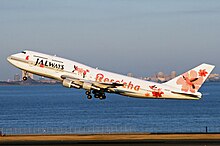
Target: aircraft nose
column 9, row 59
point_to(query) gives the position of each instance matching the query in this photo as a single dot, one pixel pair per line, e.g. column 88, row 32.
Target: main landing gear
column 97, row 94
column 88, row 93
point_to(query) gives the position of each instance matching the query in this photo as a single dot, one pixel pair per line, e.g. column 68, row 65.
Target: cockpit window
column 23, row 52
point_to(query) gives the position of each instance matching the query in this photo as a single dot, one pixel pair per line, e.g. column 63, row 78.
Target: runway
column 113, row 139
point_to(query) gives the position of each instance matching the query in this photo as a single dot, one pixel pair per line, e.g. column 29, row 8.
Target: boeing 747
column 98, row 82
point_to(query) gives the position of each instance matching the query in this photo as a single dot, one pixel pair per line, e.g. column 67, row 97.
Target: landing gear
column 97, row 94
column 100, row 95
column 25, row 75
column 88, row 93
column 89, row 96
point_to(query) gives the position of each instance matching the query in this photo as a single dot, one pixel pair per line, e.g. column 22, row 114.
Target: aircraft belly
column 166, row 95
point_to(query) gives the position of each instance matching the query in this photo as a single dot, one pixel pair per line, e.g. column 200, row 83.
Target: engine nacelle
column 69, row 84
column 87, row 86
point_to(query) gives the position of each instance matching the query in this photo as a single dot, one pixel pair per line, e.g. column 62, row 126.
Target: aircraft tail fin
column 192, row 80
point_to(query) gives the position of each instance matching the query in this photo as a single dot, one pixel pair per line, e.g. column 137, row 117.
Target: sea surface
column 62, row 110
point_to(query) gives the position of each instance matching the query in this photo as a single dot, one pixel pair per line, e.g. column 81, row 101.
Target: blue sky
column 138, row 36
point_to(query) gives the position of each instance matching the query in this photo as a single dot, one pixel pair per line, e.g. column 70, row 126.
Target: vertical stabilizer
column 191, row 81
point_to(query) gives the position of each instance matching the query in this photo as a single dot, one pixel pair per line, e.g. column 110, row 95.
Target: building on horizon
column 130, row 75
column 161, row 77
column 17, row 77
column 214, row 77
column 173, row 74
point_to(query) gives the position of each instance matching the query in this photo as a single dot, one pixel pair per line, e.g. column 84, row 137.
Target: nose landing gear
column 24, row 78
column 25, row 75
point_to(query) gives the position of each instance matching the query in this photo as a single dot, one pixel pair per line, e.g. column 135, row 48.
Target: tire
column 88, row 92
column 89, row 96
column 96, row 96
column 103, row 97
column 24, row 78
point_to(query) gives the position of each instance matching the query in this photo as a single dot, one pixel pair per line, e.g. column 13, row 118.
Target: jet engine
column 69, row 84
column 87, row 86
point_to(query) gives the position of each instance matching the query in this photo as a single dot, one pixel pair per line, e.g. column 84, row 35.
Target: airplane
column 98, row 82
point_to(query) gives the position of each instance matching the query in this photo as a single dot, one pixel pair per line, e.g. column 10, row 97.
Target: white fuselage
column 56, row 67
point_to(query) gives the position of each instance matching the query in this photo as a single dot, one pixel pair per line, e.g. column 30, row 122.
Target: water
column 59, row 107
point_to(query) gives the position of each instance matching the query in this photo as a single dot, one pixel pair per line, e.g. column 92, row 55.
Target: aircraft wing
column 106, row 85
column 94, row 84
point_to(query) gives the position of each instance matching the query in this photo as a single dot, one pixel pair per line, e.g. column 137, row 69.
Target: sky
column 138, row 36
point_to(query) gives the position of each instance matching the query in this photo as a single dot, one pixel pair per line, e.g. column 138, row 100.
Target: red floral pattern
column 157, row 94
column 80, row 71
column 202, row 72
column 147, row 94
column 190, row 81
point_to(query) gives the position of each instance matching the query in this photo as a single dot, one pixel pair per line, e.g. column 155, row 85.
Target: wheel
column 100, row 97
column 88, row 92
column 24, row 78
column 96, row 95
column 103, row 97
column 89, row 96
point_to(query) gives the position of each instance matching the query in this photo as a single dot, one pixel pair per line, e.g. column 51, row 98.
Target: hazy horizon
column 142, row 37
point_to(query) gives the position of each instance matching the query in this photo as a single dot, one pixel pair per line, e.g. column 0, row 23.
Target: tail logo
column 191, row 81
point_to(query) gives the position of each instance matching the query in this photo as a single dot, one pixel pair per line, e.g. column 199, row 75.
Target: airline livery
column 98, row 82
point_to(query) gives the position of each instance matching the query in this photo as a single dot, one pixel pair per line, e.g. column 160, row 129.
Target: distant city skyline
column 141, row 37
column 157, row 77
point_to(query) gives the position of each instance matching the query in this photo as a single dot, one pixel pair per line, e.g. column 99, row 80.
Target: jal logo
column 45, row 63
column 27, row 58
